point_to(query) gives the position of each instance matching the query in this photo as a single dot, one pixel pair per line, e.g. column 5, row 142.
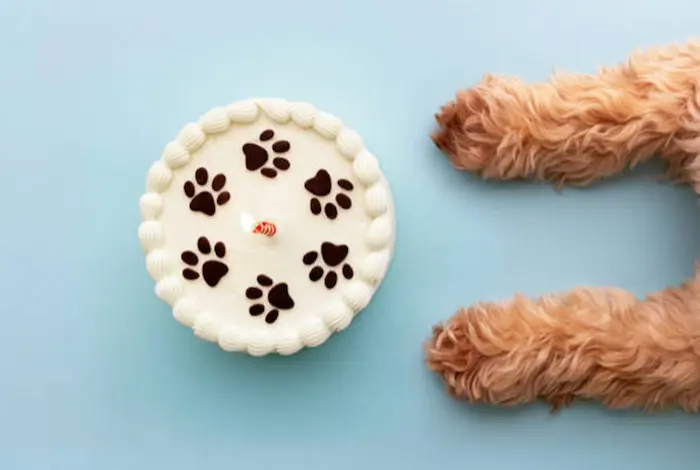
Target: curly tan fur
column 576, row 129
column 590, row 344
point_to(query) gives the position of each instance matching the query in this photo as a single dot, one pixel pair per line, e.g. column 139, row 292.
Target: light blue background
column 95, row 373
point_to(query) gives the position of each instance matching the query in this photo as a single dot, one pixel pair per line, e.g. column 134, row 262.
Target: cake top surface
column 267, row 226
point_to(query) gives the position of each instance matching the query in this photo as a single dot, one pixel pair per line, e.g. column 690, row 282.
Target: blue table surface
column 95, row 372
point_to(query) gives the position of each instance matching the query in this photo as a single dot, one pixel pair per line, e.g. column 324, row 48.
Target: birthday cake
column 266, row 226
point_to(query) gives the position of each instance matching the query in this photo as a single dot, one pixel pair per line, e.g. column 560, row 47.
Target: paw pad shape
column 257, row 155
column 213, row 270
column 332, row 256
column 321, row 187
column 202, row 199
column 278, row 298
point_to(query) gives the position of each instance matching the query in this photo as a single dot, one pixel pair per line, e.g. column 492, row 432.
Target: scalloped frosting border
column 356, row 295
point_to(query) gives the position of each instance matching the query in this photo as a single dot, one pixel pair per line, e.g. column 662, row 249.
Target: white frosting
column 357, row 295
column 349, row 143
column 191, row 137
column 159, row 264
column 186, row 311
column 374, row 266
column 303, row 114
column 338, row 316
column 376, row 200
column 367, row 168
column 314, row 332
column 151, row 235
column 262, row 160
column 277, row 110
column 243, row 111
column 380, row 232
column 327, row 125
column 175, row 155
column 159, row 177
column 259, row 343
column 215, row 121
column 288, row 342
column 207, row 327
column 169, row 289
column 233, row 340
column 150, row 206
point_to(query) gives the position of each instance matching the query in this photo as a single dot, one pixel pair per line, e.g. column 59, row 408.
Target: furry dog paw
column 576, row 129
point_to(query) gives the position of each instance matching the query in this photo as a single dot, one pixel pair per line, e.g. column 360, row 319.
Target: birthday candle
column 266, row 228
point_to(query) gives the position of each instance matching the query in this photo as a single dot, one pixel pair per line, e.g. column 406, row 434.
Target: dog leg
column 575, row 128
column 587, row 344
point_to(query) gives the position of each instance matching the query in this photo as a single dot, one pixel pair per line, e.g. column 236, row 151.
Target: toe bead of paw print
column 257, row 155
column 321, row 188
column 269, row 298
column 332, row 256
column 212, row 271
column 205, row 197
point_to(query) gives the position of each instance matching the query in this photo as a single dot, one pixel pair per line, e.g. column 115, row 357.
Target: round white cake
column 267, row 226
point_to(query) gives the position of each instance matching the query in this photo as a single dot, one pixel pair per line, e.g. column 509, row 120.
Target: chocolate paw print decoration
column 321, row 187
column 278, row 298
column 331, row 256
column 212, row 270
column 257, row 155
column 203, row 199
